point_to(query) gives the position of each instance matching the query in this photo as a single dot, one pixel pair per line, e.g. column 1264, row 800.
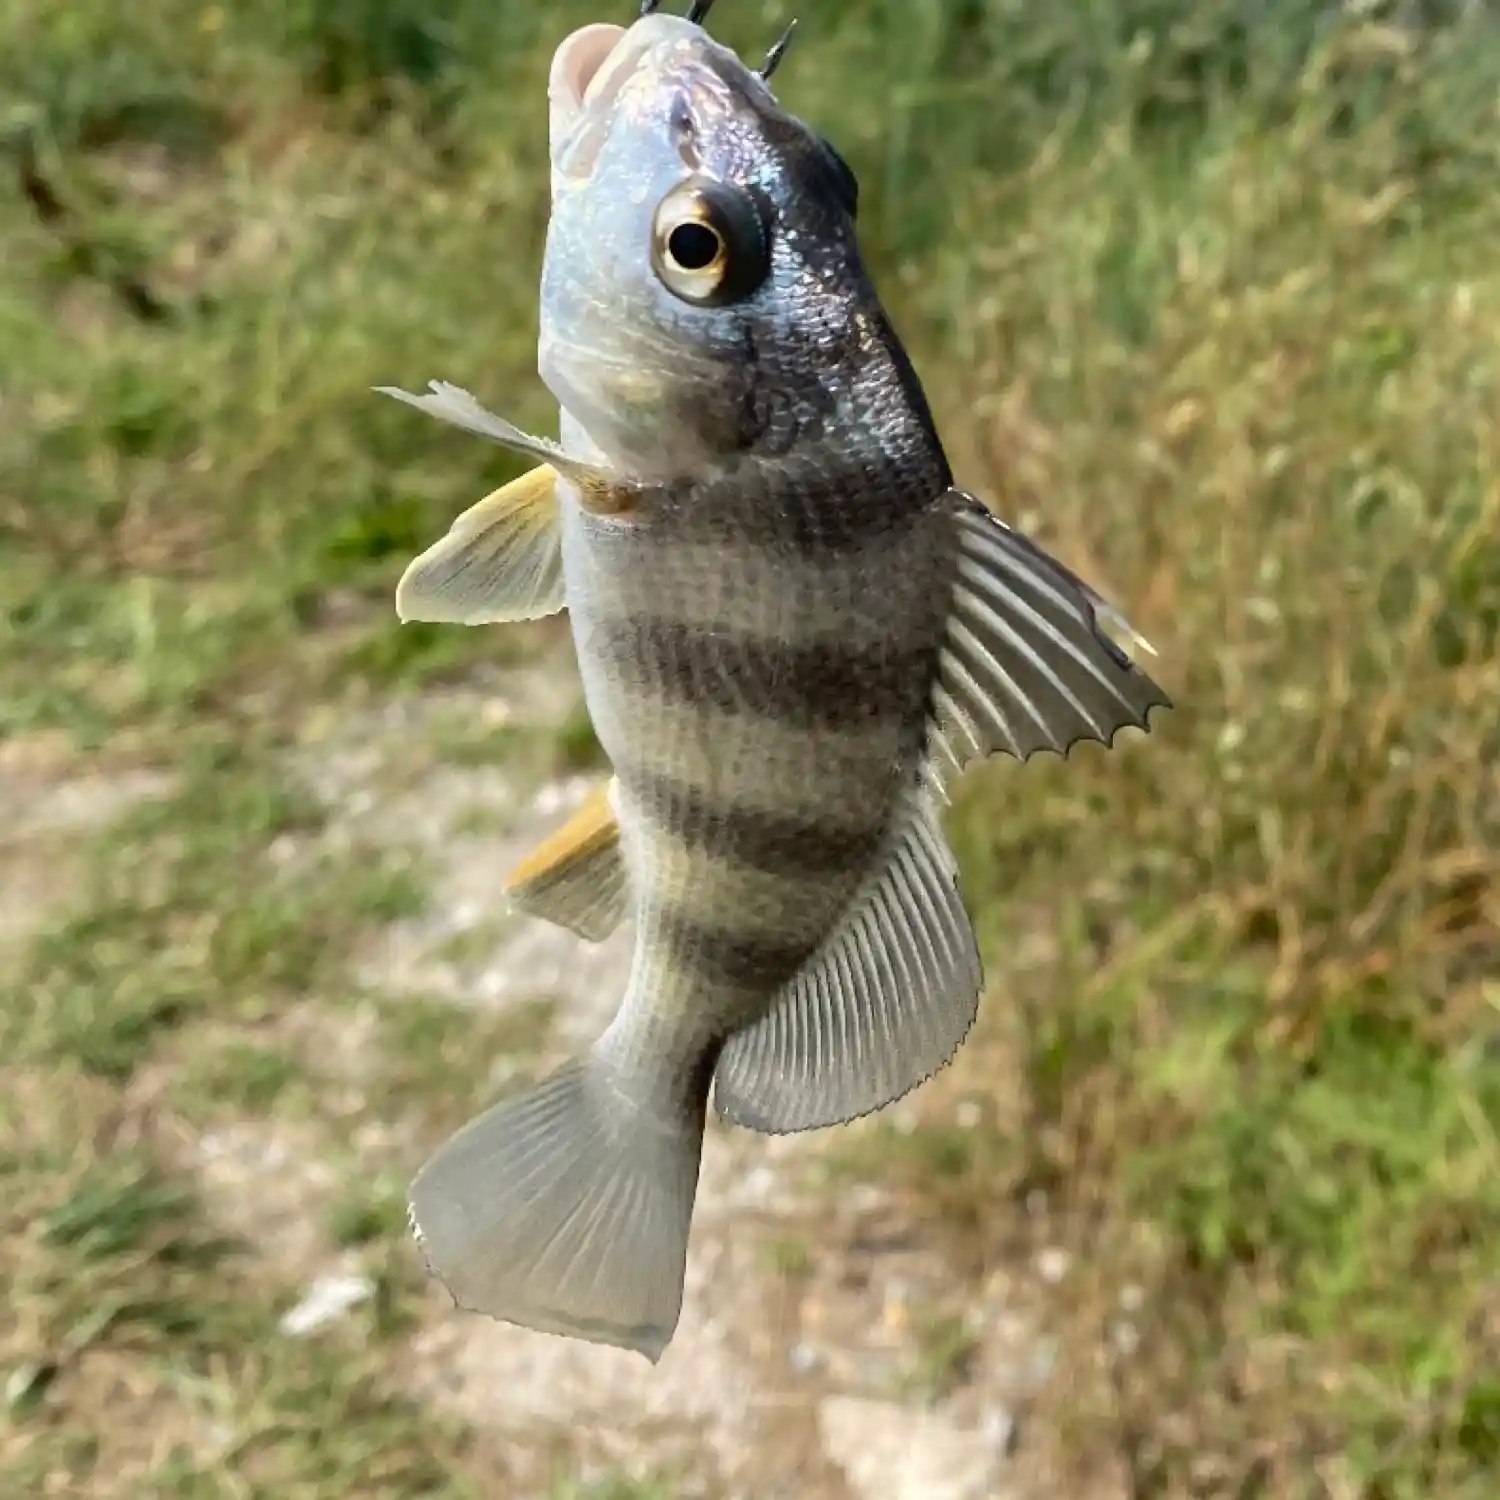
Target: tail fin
column 567, row 1209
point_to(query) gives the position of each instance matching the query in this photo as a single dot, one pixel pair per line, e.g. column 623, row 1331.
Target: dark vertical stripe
column 829, row 685
column 767, row 842
column 725, row 956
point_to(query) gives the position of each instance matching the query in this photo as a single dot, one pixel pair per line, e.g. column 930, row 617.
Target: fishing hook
column 698, row 10
column 777, row 53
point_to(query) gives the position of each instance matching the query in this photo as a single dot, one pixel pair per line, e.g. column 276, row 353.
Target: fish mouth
column 580, row 59
column 594, row 64
column 588, row 71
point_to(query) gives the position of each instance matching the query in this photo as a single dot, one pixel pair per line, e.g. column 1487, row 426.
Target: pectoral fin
column 1026, row 666
column 500, row 562
column 882, row 1006
column 576, row 877
column 599, row 489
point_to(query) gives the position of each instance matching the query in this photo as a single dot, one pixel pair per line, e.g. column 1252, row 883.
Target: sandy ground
column 796, row 1370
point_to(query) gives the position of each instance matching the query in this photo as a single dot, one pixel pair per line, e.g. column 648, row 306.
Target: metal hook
column 698, row 10
column 777, row 53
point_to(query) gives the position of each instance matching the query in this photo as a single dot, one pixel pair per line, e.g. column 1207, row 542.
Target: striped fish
column 793, row 632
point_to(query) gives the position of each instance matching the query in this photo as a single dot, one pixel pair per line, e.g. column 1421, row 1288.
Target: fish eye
column 694, row 247
column 709, row 243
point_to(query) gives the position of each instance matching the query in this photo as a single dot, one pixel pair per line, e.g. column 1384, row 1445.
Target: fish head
column 702, row 289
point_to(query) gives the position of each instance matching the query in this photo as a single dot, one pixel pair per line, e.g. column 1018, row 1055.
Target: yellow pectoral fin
column 500, row 562
column 576, row 877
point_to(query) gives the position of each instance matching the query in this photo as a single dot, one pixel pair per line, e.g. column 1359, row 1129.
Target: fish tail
column 567, row 1208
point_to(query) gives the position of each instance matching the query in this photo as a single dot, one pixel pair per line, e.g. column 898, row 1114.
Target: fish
column 794, row 632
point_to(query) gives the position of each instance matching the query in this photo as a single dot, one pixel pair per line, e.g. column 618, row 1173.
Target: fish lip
column 591, row 66
column 576, row 64
column 579, row 60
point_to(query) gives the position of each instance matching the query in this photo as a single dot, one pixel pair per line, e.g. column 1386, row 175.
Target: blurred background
column 1206, row 297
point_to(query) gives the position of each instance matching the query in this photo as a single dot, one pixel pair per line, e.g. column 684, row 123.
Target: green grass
column 141, row 1349
column 611, row 1489
column 1214, row 312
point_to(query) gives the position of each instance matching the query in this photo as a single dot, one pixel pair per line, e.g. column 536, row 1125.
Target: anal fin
column 576, row 877
column 882, row 1006
column 500, row 562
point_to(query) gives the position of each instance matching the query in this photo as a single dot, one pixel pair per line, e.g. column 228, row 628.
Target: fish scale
column 659, row 691
column 793, row 634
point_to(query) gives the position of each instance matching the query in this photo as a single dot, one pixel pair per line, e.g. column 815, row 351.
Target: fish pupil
column 693, row 246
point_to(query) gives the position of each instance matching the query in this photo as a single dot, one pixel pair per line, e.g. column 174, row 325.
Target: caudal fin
column 567, row 1209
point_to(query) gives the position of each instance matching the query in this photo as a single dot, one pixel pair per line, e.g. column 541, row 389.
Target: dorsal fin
column 1026, row 665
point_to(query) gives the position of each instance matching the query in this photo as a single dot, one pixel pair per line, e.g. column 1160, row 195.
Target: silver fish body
column 756, row 645
column 792, row 633
column 763, row 709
